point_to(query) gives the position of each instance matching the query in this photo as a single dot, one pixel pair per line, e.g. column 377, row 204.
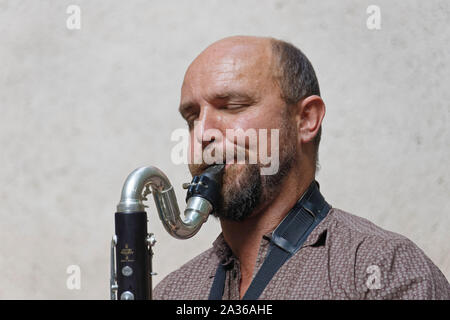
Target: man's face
column 231, row 86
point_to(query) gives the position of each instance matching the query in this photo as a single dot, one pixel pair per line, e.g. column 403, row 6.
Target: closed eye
column 235, row 106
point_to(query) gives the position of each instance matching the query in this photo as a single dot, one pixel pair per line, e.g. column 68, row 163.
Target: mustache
column 241, row 155
column 199, row 168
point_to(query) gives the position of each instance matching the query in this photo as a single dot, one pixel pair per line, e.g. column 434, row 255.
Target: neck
column 244, row 237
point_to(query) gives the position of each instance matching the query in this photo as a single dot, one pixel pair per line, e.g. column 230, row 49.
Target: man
column 263, row 83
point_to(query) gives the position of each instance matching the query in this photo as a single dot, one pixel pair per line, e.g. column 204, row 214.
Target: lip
column 209, row 166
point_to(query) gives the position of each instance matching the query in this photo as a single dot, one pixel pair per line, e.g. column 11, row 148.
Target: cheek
column 257, row 117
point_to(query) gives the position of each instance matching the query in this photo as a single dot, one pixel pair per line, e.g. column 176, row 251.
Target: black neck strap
column 286, row 240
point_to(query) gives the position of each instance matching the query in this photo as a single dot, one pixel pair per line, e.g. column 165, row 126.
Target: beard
column 245, row 189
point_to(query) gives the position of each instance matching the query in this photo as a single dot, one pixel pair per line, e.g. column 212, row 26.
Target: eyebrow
column 228, row 95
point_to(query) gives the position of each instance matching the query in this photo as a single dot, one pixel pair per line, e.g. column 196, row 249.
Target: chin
column 233, row 175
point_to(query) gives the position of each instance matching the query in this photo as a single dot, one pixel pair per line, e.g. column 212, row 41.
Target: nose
column 208, row 127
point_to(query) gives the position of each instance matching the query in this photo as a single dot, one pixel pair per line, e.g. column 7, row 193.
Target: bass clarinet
column 131, row 245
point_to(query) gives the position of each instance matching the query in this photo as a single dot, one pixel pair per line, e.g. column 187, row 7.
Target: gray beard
column 242, row 197
column 248, row 189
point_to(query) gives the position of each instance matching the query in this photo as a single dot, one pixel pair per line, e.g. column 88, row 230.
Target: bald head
column 236, row 42
column 230, row 62
column 237, row 47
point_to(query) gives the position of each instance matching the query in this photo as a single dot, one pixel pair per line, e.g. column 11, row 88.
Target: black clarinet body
column 131, row 246
column 132, row 256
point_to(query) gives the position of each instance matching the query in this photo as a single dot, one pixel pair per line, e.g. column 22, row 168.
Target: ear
column 310, row 113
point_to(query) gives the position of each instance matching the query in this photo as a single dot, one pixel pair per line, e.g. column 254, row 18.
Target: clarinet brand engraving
column 127, row 252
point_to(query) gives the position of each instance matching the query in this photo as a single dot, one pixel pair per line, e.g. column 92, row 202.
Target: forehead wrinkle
column 221, row 67
column 240, row 71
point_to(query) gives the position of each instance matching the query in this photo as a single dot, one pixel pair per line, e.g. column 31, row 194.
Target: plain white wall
column 80, row 109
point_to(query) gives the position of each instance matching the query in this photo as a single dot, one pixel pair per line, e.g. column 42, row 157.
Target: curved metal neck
column 196, row 213
column 131, row 198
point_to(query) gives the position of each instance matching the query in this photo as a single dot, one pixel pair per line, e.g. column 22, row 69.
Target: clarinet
column 131, row 245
